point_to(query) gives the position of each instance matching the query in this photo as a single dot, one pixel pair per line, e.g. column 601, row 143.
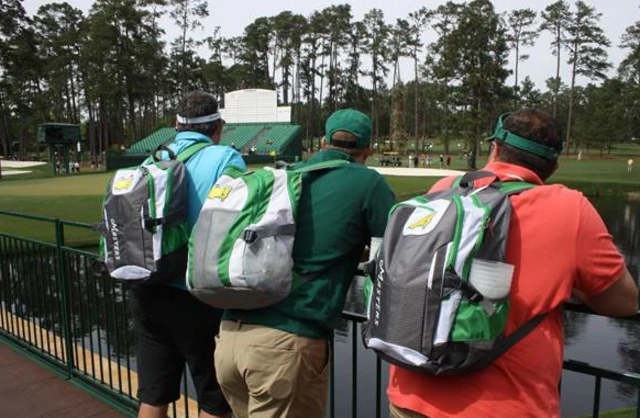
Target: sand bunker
column 14, row 172
column 416, row 172
column 20, row 164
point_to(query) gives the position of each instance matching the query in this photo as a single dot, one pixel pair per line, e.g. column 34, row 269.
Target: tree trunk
column 571, row 97
column 132, row 113
column 331, row 78
column 183, row 81
column 557, row 80
column 5, row 136
column 321, row 82
column 285, row 85
column 516, row 86
column 417, row 91
column 91, row 133
column 312, row 96
column 275, row 58
column 74, row 106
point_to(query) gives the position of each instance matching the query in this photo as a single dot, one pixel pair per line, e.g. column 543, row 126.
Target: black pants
column 173, row 328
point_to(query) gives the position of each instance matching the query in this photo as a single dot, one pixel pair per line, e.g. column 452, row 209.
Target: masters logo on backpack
column 240, row 249
column 440, row 295
column 144, row 226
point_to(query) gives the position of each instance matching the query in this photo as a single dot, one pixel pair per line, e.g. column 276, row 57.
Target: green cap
column 501, row 134
column 352, row 121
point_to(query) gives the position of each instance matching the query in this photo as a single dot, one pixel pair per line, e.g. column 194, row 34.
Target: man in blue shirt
column 172, row 327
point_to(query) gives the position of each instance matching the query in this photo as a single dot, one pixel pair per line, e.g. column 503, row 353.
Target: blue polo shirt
column 203, row 170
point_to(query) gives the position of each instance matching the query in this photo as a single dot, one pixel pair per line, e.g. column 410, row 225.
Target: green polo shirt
column 338, row 213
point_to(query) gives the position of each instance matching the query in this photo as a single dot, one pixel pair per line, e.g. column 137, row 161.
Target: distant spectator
column 448, row 161
column 410, row 160
column 77, row 166
column 441, row 160
column 579, row 155
column 415, row 161
column 630, row 164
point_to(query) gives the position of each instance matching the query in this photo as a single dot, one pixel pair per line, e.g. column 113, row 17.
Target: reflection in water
column 622, row 219
column 97, row 304
column 574, row 326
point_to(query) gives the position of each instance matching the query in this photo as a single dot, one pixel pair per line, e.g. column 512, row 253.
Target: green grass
column 618, row 413
column 79, row 197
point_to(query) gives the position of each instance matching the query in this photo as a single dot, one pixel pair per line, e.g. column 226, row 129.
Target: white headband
column 198, row 120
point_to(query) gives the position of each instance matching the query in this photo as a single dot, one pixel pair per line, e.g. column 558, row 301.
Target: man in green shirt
column 274, row 362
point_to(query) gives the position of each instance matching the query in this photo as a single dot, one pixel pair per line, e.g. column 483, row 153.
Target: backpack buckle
column 249, row 236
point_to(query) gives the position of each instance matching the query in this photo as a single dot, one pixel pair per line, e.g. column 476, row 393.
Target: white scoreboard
column 254, row 106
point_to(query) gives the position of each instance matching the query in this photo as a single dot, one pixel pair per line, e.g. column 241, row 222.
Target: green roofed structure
column 264, row 138
column 151, row 142
column 258, row 142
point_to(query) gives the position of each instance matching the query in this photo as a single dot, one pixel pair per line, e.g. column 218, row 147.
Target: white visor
column 198, row 120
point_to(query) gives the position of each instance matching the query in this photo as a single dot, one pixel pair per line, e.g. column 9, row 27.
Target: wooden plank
column 54, row 345
column 34, row 391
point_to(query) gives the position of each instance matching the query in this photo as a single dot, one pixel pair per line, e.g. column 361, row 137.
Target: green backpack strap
column 324, row 165
column 191, row 150
column 183, row 156
column 515, row 187
column 506, row 187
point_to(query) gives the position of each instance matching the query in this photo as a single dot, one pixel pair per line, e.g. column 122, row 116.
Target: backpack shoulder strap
column 191, row 150
column 324, row 165
column 509, row 341
column 515, row 187
column 506, row 187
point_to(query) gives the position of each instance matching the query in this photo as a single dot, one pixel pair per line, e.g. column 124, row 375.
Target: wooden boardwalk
column 28, row 390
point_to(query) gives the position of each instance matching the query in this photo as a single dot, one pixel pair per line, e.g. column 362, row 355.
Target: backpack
column 144, row 219
column 423, row 311
column 240, row 250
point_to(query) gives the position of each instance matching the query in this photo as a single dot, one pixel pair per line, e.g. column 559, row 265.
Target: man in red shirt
column 561, row 248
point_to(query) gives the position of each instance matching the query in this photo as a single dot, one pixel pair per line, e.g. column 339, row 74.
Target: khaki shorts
column 395, row 412
column 268, row 373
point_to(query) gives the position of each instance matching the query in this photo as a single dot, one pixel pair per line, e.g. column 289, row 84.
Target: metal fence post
column 63, row 288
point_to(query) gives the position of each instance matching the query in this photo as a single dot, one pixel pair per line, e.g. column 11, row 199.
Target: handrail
column 41, row 218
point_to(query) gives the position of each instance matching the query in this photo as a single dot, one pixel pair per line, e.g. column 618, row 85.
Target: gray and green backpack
column 423, row 313
column 144, row 219
column 240, row 251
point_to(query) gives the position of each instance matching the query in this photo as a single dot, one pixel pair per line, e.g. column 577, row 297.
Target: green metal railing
column 57, row 304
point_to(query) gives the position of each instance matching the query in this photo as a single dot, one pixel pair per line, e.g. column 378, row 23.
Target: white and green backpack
column 240, row 248
column 144, row 220
column 426, row 311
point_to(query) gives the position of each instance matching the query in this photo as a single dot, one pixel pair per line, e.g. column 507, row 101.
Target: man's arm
column 603, row 283
column 377, row 205
column 620, row 299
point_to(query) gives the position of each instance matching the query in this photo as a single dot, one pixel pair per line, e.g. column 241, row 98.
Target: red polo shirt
column 558, row 242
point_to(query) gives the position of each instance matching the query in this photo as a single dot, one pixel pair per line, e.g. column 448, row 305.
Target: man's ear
column 494, row 155
column 217, row 133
